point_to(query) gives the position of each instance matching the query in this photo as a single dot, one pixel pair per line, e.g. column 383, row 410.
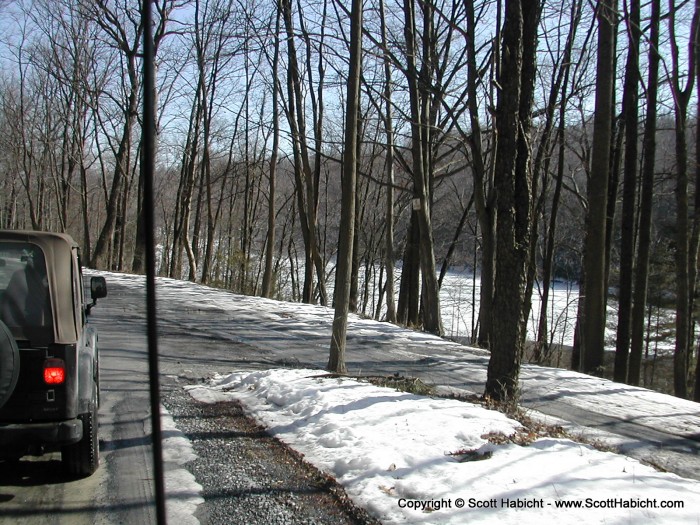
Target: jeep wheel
column 82, row 458
column 9, row 363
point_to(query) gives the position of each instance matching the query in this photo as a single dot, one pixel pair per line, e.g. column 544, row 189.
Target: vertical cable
column 147, row 167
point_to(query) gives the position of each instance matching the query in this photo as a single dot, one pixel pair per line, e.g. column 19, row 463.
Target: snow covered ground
column 183, row 493
column 411, row 459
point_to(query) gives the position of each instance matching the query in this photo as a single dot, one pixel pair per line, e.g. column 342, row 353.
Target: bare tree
column 306, row 181
column 163, row 8
column 124, row 31
column 214, row 59
column 558, row 95
column 389, row 170
column 513, row 186
column 336, row 361
column 593, row 325
column 66, row 56
column 420, row 168
column 641, row 283
column 630, row 115
column 695, row 241
column 267, row 284
column 484, row 192
column 681, row 97
column 20, row 116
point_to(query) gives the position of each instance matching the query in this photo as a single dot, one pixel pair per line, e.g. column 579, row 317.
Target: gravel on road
column 251, row 478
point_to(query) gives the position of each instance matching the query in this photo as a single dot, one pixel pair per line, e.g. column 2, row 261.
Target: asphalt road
column 198, row 338
column 34, row 490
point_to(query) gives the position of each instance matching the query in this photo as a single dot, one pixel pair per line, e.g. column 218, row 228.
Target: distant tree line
column 526, row 140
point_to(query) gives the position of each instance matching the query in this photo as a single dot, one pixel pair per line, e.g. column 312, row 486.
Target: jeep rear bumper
column 44, row 433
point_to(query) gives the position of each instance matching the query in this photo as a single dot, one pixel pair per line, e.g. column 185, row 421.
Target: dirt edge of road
column 250, row 477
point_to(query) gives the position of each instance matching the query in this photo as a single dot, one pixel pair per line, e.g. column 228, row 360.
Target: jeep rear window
column 24, row 292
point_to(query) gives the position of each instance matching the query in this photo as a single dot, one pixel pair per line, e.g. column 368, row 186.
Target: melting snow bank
column 395, row 455
column 183, row 493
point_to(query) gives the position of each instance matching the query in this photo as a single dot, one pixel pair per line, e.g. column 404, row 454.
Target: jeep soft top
column 49, row 361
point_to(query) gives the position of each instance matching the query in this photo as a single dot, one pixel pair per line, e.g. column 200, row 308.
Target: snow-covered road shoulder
column 183, row 493
column 395, row 454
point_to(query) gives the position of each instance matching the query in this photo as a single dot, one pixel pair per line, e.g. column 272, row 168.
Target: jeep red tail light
column 54, row 371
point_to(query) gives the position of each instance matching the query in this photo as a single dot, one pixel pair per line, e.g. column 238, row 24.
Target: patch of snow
column 416, row 459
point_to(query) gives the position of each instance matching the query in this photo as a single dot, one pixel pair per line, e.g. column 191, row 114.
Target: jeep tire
column 81, row 459
column 9, row 363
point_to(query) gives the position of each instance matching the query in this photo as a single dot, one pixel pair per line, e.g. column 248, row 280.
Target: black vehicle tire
column 81, row 459
column 9, row 364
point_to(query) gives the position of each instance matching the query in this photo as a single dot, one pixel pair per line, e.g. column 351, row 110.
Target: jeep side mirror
column 98, row 290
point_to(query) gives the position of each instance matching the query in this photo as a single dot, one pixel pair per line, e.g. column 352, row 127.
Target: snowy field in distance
column 459, row 301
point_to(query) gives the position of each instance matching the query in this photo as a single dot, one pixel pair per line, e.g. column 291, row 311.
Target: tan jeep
column 49, row 361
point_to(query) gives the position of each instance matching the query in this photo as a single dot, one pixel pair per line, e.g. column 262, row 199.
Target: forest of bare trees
column 353, row 154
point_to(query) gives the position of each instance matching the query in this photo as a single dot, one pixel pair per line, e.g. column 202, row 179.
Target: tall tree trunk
column 307, row 195
column 389, row 174
column 138, row 262
column 188, row 173
column 205, row 192
column 646, row 201
column 432, row 321
column 317, row 104
column 356, row 262
column 336, row 361
column 245, row 240
column 525, row 183
column 541, row 169
column 695, row 241
column 630, row 113
column 593, row 324
column 483, row 187
column 683, row 301
column 267, row 284
column 513, row 189
column 682, row 251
